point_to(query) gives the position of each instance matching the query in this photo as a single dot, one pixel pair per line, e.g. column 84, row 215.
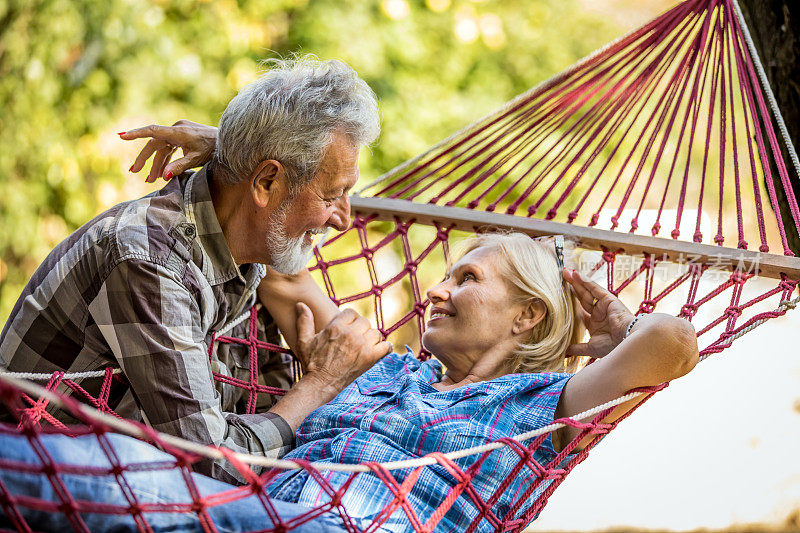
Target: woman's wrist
column 631, row 325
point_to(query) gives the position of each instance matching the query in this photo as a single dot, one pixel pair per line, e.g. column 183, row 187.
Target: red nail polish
column 130, row 169
column 122, row 133
column 168, row 176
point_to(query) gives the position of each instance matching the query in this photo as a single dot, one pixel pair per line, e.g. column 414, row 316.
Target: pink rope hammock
column 638, row 125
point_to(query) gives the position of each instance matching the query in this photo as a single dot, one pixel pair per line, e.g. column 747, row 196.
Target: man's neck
column 230, row 211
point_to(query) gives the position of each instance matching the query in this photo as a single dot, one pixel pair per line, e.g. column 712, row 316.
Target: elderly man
column 146, row 284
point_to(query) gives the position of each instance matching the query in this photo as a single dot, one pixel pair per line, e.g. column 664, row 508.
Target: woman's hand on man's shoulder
column 197, row 141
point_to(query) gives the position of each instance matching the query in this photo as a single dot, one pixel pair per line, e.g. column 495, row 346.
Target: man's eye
column 468, row 276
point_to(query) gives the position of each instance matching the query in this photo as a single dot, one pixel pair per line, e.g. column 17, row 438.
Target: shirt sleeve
column 153, row 325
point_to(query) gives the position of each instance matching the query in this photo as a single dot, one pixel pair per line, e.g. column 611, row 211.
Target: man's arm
column 152, row 323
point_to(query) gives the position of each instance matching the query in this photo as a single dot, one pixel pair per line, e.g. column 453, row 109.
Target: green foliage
column 74, row 72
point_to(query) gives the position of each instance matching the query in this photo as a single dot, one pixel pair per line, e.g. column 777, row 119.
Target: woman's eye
column 468, row 276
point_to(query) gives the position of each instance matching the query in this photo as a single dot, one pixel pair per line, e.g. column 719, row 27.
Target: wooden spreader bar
column 767, row 264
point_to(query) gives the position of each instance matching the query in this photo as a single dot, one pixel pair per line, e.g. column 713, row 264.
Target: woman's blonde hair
column 531, row 269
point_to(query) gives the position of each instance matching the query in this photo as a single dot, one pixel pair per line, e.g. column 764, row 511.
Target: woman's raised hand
column 605, row 316
column 196, row 140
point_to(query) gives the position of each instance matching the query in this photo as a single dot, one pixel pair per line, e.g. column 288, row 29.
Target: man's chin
column 291, row 264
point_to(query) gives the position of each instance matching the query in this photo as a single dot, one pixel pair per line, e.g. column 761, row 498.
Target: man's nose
column 340, row 218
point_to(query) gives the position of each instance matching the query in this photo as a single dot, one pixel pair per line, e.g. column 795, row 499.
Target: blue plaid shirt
column 393, row 413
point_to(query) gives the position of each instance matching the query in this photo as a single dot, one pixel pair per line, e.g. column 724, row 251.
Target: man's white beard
column 287, row 256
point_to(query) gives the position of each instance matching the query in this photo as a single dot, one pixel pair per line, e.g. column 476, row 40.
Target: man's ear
column 267, row 178
column 531, row 314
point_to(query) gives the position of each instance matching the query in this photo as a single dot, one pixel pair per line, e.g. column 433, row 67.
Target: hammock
column 651, row 135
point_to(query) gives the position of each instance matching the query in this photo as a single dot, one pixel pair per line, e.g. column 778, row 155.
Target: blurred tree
column 73, row 72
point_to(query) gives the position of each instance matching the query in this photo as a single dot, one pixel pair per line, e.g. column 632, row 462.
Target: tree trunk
column 775, row 28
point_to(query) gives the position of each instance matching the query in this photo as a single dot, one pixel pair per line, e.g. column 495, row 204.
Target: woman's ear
column 531, row 314
column 265, row 179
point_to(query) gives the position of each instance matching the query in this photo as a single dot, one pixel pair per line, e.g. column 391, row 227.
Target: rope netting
column 631, row 131
column 670, row 117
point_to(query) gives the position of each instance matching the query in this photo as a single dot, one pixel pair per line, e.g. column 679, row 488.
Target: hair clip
column 558, row 242
column 558, row 245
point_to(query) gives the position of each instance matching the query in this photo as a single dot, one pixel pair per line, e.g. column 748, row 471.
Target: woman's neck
column 484, row 369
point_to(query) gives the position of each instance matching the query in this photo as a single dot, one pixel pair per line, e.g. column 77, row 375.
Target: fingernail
column 130, row 169
column 168, row 176
column 122, row 133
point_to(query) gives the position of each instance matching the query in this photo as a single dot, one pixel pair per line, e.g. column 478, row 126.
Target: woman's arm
column 659, row 348
column 280, row 293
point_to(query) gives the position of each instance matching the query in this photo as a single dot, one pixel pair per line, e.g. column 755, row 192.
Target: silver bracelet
column 630, row 326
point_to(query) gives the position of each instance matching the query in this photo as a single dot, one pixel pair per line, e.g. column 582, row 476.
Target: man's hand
column 343, row 350
column 196, row 140
column 346, row 348
column 605, row 316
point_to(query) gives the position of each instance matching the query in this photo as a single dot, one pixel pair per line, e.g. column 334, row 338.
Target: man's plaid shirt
column 144, row 286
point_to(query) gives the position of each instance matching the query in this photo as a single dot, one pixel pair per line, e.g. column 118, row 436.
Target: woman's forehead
column 484, row 256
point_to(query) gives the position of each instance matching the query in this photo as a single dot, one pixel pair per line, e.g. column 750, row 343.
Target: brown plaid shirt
column 144, row 286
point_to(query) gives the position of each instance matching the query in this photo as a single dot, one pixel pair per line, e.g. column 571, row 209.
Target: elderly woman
column 506, row 324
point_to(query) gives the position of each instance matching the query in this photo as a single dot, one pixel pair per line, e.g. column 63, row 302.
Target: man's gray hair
column 290, row 114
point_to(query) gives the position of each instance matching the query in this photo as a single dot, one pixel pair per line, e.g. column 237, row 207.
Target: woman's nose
column 438, row 293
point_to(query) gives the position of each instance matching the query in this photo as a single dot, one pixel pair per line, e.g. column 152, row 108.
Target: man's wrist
column 324, row 387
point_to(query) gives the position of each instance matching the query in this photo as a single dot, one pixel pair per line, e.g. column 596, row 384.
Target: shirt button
column 189, row 231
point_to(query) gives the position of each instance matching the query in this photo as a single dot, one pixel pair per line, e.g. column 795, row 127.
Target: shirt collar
column 210, row 249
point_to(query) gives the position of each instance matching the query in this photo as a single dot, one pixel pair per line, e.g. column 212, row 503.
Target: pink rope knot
column 614, row 222
column 442, row 235
column 419, row 308
column 763, row 248
column 608, row 256
column 733, row 312
column 647, row 306
column 367, row 253
column 377, row 290
column 688, row 310
column 572, row 216
column 551, row 214
column 532, row 210
column 719, row 239
column 738, row 277
column 402, row 229
column 66, row 508
column 675, row 233
column 634, row 225
column 594, row 219
column 655, row 229
column 359, row 222
column 697, row 237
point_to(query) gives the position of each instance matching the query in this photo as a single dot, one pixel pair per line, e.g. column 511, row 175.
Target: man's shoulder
column 143, row 229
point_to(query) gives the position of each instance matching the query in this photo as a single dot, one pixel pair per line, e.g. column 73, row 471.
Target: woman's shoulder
column 529, row 382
